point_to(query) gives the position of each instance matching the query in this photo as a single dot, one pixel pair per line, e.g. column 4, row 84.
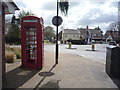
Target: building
column 111, row 36
column 86, row 34
column 5, row 8
column 70, row 34
column 91, row 34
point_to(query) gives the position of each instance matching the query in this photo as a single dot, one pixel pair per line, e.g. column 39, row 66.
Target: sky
column 81, row 13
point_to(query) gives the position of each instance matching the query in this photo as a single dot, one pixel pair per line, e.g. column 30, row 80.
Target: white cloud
column 95, row 16
column 80, row 13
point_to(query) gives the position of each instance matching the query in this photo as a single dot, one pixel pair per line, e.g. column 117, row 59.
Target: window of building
column 65, row 35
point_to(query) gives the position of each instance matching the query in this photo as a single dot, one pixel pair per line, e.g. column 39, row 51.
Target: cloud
column 99, row 15
column 80, row 13
column 48, row 19
column 49, row 6
column 97, row 18
column 114, row 4
column 20, row 4
column 72, row 4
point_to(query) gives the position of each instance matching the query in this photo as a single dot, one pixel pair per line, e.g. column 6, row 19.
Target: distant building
column 70, row 34
column 83, row 34
column 91, row 34
column 111, row 36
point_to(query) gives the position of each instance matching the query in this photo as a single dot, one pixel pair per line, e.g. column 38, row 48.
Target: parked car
column 93, row 41
column 113, row 43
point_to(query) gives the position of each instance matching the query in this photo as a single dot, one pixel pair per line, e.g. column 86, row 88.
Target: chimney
column 87, row 28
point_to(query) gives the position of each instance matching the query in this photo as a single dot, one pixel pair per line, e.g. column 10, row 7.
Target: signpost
column 119, row 21
column 57, row 20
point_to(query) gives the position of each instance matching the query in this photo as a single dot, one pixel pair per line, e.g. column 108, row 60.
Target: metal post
column 57, row 37
column 119, row 22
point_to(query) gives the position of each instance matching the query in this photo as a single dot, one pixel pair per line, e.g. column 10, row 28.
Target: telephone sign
column 30, row 21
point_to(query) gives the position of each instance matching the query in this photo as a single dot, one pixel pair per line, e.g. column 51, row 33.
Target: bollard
column 69, row 44
column 93, row 47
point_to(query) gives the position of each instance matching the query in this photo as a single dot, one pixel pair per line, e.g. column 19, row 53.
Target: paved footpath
column 73, row 71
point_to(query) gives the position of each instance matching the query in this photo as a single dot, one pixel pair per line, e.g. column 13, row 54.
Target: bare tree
column 113, row 29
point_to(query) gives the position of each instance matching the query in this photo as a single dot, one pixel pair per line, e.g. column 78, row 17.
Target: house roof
column 108, row 33
column 91, row 31
column 71, row 31
column 83, row 32
column 94, row 32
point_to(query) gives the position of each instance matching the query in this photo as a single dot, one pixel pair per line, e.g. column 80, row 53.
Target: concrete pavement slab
column 72, row 71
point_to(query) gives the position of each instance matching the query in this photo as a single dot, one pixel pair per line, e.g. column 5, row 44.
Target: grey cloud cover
column 49, row 6
column 47, row 10
column 102, row 18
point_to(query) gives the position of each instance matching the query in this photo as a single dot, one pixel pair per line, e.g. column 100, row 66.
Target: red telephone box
column 32, row 42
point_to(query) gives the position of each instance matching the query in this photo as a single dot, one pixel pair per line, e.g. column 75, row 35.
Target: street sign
column 55, row 22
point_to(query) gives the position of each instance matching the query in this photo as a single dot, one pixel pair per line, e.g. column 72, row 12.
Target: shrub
column 45, row 41
column 9, row 56
column 17, row 51
column 18, row 55
column 8, row 48
column 12, row 53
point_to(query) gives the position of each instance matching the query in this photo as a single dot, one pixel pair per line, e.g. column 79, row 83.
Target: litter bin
column 113, row 61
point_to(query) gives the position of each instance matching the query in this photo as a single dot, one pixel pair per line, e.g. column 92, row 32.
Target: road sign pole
column 119, row 22
column 57, row 46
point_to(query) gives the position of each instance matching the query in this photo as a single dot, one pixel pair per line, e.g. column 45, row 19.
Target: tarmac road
column 83, row 50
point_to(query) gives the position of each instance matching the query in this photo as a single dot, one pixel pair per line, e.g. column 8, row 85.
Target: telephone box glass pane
column 31, row 50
